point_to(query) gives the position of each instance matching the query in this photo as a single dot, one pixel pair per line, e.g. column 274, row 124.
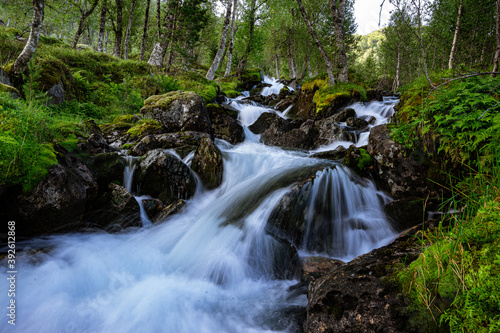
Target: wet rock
column 258, row 88
column 115, row 210
column 292, row 134
column 178, row 111
column 106, row 168
column 152, row 207
column 263, row 122
column 169, row 210
column 409, row 212
column 360, row 296
column 329, row 131
column 182, row 142
column 286, row 102
column 314, row 268
column 58, row 202
column 4, row 78
column 208, row 163
column 230, row 110
column 164, row 176
column 224, row 126
column 358, row 160
column 357, row 123
column 304, row 107
column 337, row 154
column 399, row 173
column 343, row 115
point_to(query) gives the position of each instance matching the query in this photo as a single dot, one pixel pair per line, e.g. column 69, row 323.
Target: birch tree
column 337, row 10
column 231, row 40
column 497, row 37
column 129, row 26
column 102, row 27
column 32, row 43
column 225, row 28
column 455, row 37
column 84, row 14
column 145, row 30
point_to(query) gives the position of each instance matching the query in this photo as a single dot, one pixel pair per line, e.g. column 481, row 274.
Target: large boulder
column 178, row 111
column 115, row 210
column 208, row 163
column 57, row 203
column 400, row 173
column 329, row 130
column 164, row 176
column 182, row 142
column 361, row 296
column 304, row 107
column 225, row 127
column 263, row 122
column 106, row 168
column 291, row 134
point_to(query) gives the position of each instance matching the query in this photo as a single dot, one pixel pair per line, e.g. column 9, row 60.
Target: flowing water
column 212, row 267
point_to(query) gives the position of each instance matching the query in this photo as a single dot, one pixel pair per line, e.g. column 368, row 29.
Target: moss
column 144, row 127
column 365, row 160
column 126, row 118
column 109, row 127
column 325, row 96
column 9, row 89
column 128, row 146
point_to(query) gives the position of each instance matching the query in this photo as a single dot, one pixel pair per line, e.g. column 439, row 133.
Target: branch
column 380, row 13
column 494, row 106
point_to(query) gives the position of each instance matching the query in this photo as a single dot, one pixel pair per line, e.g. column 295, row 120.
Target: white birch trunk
column 231, row 41
column 225, row 28
column 129, row 25
column 497, row 52
column 32, row 43
column 455, row 37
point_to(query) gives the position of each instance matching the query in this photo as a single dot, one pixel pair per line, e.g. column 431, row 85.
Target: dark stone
column 208, row 163
column 329, row 130
column 178, row 111
column 285, row 103
column 292, row 134
column 304, row 108
column 339, row 153
column 398, row 172
column 164, row 176
column 357, row 123
column 169, row 210
column 343, row 115
column 375, row 95
column 4, row 78
column 57, row 203
column 224, row 126
column 56, row 94
column 182, row 142
column 106, row 168
column 152, row 207
column 263, row 122
column 115, row 210
column 314, row 268
column 409, row 212
column 234, row 113
column 360, row 296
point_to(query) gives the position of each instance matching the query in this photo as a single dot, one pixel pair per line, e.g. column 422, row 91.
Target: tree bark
column 173, row 40
column 160, row 47
column 102, row 27
column 326, row 59
column 306, row 62
column 158, row 19
column 129, row 26
column 32, row 43
column 83, row 17
column 455, row 37
column 242, row 65
column 497, row 52
column 338, row 15
column 145, row 31
column 231, row 41
column 225, row 28
column 119, row 29
column 276, row 59
column 395, row 84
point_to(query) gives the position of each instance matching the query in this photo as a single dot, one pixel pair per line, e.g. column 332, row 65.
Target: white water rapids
column 210, row 268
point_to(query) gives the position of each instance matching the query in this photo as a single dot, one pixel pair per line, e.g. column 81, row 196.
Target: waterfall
column 213, row 267
column 128, row 178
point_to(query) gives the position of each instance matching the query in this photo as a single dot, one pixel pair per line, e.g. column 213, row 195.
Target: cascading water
column 128, row 178
column 210, row 268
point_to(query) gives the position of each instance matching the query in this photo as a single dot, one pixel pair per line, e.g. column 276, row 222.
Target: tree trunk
column 242, row 65
column 160, row 48
column 32, row 43
column 158, row 19
column 145, row 31
column 277, row 66
column 102, row 27
column 225, row 28
column 83, row 17
column 129, row 25
column 422, row 48
column 338, row 15
column 305, row 64
column 326, row 59
column 395, row 85
column 106, row 42
column 455, row 37
column 497, row 52
column 119, row 29
column 173, row 40
column 231, row 41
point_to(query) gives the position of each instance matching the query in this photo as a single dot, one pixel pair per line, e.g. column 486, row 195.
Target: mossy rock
column 358, row 159
column 145, row 127
column 9, row 89
column 126, row 118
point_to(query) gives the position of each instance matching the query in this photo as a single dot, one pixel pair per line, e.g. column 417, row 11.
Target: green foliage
column 196, row 82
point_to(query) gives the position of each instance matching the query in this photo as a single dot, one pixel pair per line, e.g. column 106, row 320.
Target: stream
column 212, row 267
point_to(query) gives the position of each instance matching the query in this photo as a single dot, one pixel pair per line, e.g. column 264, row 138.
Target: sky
column 367, row 12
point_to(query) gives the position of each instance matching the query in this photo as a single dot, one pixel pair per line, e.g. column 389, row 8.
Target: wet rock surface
column 224, row 126
column 208, row 163
column 293, row 134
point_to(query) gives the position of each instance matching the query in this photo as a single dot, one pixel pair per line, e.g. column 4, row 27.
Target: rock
column 329, row 131
column 399, row 173
column 314, row 268
column 169, row 210
column 285, row 103
column 258, row 88
column 374, row 95
column 409, row 212
column 224, row 126
column 304, row 108
column 359, row 296
column 4, row 78
column 337, row 154
column 357, row 123
column 208, row 163
column 230, row 110
column 286, row 260
column 263, row 122
column 178, row 111
column 358, row 160
column 343, row 115
column 58, row 202
column 182, row 142
column 152, row 207
column 56, row 94
column 164, row 176
column 284, row 92
column 292, row 134
column 106, row 168
column 115, row 210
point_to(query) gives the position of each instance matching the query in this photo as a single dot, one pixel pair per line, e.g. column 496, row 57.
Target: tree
column 145, row 30
column 225, row 28
column 231, row 40
column 164, row 31
column 84, row 13
column 102, row 27
column 32, row 43
column 129, row 25
column 326, row 58
column 242, row 64
column 118, row 28
column 338, row 9
column 497, row 37
column 455, row 37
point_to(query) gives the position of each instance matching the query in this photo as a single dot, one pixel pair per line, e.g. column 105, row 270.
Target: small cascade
column 128, row 178
column 274, row 88
column 343, row 216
